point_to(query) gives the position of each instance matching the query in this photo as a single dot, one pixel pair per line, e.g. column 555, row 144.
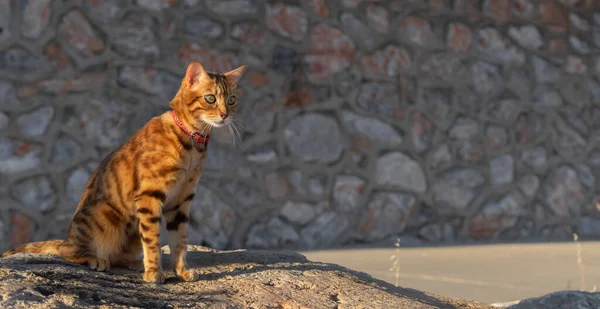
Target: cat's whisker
column 239, row 123
column 237, row 134
column 233, row 141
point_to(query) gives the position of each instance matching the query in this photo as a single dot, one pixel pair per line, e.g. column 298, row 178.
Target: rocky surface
column 563, row 299
column 228, row 279
column 362, row 120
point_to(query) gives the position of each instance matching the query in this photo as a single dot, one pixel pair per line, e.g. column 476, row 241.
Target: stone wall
column 435, row 120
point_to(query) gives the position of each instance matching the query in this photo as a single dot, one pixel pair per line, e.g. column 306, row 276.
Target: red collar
column 195, row 136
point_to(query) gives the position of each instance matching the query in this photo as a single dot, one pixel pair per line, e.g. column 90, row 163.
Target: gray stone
column 36, row 15
column 158, row 83
column 6, row 17
column 77, row 33
column 431, row 233
column 105, row 12
column 545, row 98
column 359, row 32
column 467, row 100
column 464, row 128
column 535, row 158
column 497, row 216
column 298, row 212
column 505, row 111
column 243, row 193
column 4, row 120
column 445, row 67
column 396, row 169
column 348, row 192
column 529, row 185
column 417, row 31
column 76, row 183
column 18, row 61
column 544, row 71
column 493, row 44
column 314, row 137
column 64, row 150
column 271, row 234
column 502, row 170
column 17, row 156
column 278, row 185
column 440, row 157
column 378, row 17
column 527, row 36
column 579, row 22
column 487, row 80
column 258, row 116
column 262, row 155
column 373, row 129
column 202, row 26
column 387, row 214
column 316, row 185
column 454, row 190
column 36, row 122
column 380, row 99
column 233, row 7
column 8, row 96
column 574, row 119
column 324, row 231
column 586, row 176
column 135, row 37
column 422, row 131
column 436, row 102
column 579, row 45
column 567, row 139
column 589, row 226
column 575, row 65
column 214, row 219
column 287, row 20
column 219, row 157
column 519, row 83
column 562, row 299
column 436, row 232
column 103, row 122
column 576, row 91
column 36, row 193
column 496, row 137
column 564, row 193
column 155, row 5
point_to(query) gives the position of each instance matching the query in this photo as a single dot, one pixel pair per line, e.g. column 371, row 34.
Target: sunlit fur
column 151, row 176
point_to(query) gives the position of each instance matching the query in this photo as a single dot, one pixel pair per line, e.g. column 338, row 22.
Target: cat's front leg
column 177, row 220
column 148, row 205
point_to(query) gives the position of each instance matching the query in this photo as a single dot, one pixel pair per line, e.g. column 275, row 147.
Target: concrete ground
column 485, row 273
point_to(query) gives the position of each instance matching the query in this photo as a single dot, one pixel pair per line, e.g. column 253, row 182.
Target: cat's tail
column 42, row 247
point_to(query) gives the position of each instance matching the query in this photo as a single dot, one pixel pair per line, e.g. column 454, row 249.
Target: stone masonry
column 361, row 120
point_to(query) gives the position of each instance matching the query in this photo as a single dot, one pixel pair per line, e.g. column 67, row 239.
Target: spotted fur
column 151, row 176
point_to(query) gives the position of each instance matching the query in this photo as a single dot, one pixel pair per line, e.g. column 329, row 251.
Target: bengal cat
column 153, row 173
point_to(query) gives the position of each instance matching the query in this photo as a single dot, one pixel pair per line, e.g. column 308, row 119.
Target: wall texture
column 436, row 120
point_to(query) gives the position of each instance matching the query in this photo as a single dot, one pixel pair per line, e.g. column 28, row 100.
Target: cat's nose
column 224, row 115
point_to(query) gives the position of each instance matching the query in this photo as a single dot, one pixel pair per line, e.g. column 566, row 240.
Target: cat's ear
column 195, row 71
column 234, row 75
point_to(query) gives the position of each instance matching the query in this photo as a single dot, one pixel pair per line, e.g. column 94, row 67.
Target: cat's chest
column 191, row 167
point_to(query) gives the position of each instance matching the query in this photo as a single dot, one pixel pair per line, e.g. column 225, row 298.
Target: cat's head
column 209, row 98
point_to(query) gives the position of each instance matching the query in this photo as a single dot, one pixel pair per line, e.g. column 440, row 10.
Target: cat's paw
column 188, row 275
column 98, row 264
column 154, row 276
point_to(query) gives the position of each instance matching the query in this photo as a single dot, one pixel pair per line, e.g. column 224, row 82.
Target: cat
column 151, row 175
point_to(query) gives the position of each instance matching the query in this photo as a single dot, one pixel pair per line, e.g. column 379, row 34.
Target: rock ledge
column 228, row 279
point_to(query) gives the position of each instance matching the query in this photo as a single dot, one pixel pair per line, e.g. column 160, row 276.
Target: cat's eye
column 231, row 100
column 210, row 99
